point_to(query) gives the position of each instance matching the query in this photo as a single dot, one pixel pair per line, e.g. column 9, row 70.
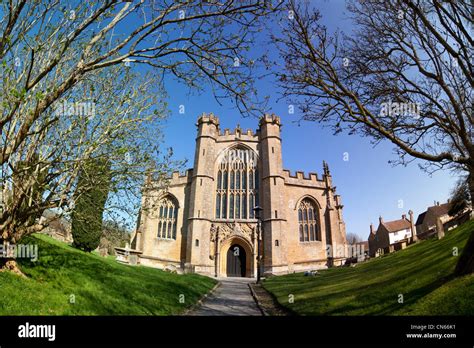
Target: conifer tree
column 91, row 195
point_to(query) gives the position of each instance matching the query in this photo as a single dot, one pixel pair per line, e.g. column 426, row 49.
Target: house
column 427, row 221
column 391, row 235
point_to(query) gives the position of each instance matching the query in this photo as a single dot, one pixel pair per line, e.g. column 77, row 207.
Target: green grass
column 101, row 286
column 422, row 273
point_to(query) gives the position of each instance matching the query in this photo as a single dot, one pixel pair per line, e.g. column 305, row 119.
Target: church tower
column 272, row 193
column 201, row 199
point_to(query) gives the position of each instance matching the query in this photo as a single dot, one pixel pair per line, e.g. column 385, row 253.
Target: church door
column 236, row 261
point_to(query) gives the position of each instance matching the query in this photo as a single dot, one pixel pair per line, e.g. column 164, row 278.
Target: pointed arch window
column 251, row 206
column 309, row 226
column 224, row 206
column 218, row 206
column 231, row 206
column 160, row 225
column 237, row 206
column 232, row 180
column 236, row 184
column 224, row 180
column 219, row 180
column 167, row 219
column 237, row 180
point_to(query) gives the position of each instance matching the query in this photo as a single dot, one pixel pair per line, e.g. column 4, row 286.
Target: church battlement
column 208, row 118
column 248, row 134
column 301, row 177
column 270, row 118
column 180, row 177
column 227, row 134
column 237, row 132
column 177, row 174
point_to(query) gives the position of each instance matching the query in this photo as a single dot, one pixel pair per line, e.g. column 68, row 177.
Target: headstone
column 439, row 228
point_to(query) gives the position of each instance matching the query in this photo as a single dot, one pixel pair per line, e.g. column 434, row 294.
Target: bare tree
column 404, row 74
column 56, row 56
column 353, row 238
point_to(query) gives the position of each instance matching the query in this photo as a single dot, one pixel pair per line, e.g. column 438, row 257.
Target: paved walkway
column 231, row 298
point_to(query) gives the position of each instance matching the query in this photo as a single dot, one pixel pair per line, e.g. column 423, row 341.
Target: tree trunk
column 465, row 264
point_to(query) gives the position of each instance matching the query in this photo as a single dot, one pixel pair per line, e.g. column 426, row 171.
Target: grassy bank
column 66, row 281
column 421, row 274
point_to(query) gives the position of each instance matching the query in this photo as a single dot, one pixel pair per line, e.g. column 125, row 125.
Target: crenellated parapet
column 209, row 118
column 179, row 178
column 237, row 134
column 302, row 179
column 270, row 118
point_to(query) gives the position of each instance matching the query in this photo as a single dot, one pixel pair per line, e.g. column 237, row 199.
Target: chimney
column 404, row 216
column 380, row 219
column 437, row 203
column 372, row 229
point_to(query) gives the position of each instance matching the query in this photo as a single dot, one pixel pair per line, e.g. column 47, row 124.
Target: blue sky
column 368, row 184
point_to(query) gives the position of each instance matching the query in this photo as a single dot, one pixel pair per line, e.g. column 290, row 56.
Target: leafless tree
column 404, row 74
column 353, row 238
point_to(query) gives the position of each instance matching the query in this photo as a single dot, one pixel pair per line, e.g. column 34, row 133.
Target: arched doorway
column 236, row 261
column 235, row 251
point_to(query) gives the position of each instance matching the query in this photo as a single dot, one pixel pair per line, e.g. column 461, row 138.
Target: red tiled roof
column 436, row 210
column 440, row 210
column 396, row 225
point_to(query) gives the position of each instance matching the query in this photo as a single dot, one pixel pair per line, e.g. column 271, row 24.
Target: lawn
column 66, row 281
column 421, row 274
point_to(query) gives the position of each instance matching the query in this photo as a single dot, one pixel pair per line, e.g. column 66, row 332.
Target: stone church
column 204, row 221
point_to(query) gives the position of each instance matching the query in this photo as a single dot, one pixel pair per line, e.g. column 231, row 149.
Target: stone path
column 231, row 298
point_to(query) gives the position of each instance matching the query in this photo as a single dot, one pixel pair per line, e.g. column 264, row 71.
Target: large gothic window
column 308, row 224
column 237, row 184
column 167, row 219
